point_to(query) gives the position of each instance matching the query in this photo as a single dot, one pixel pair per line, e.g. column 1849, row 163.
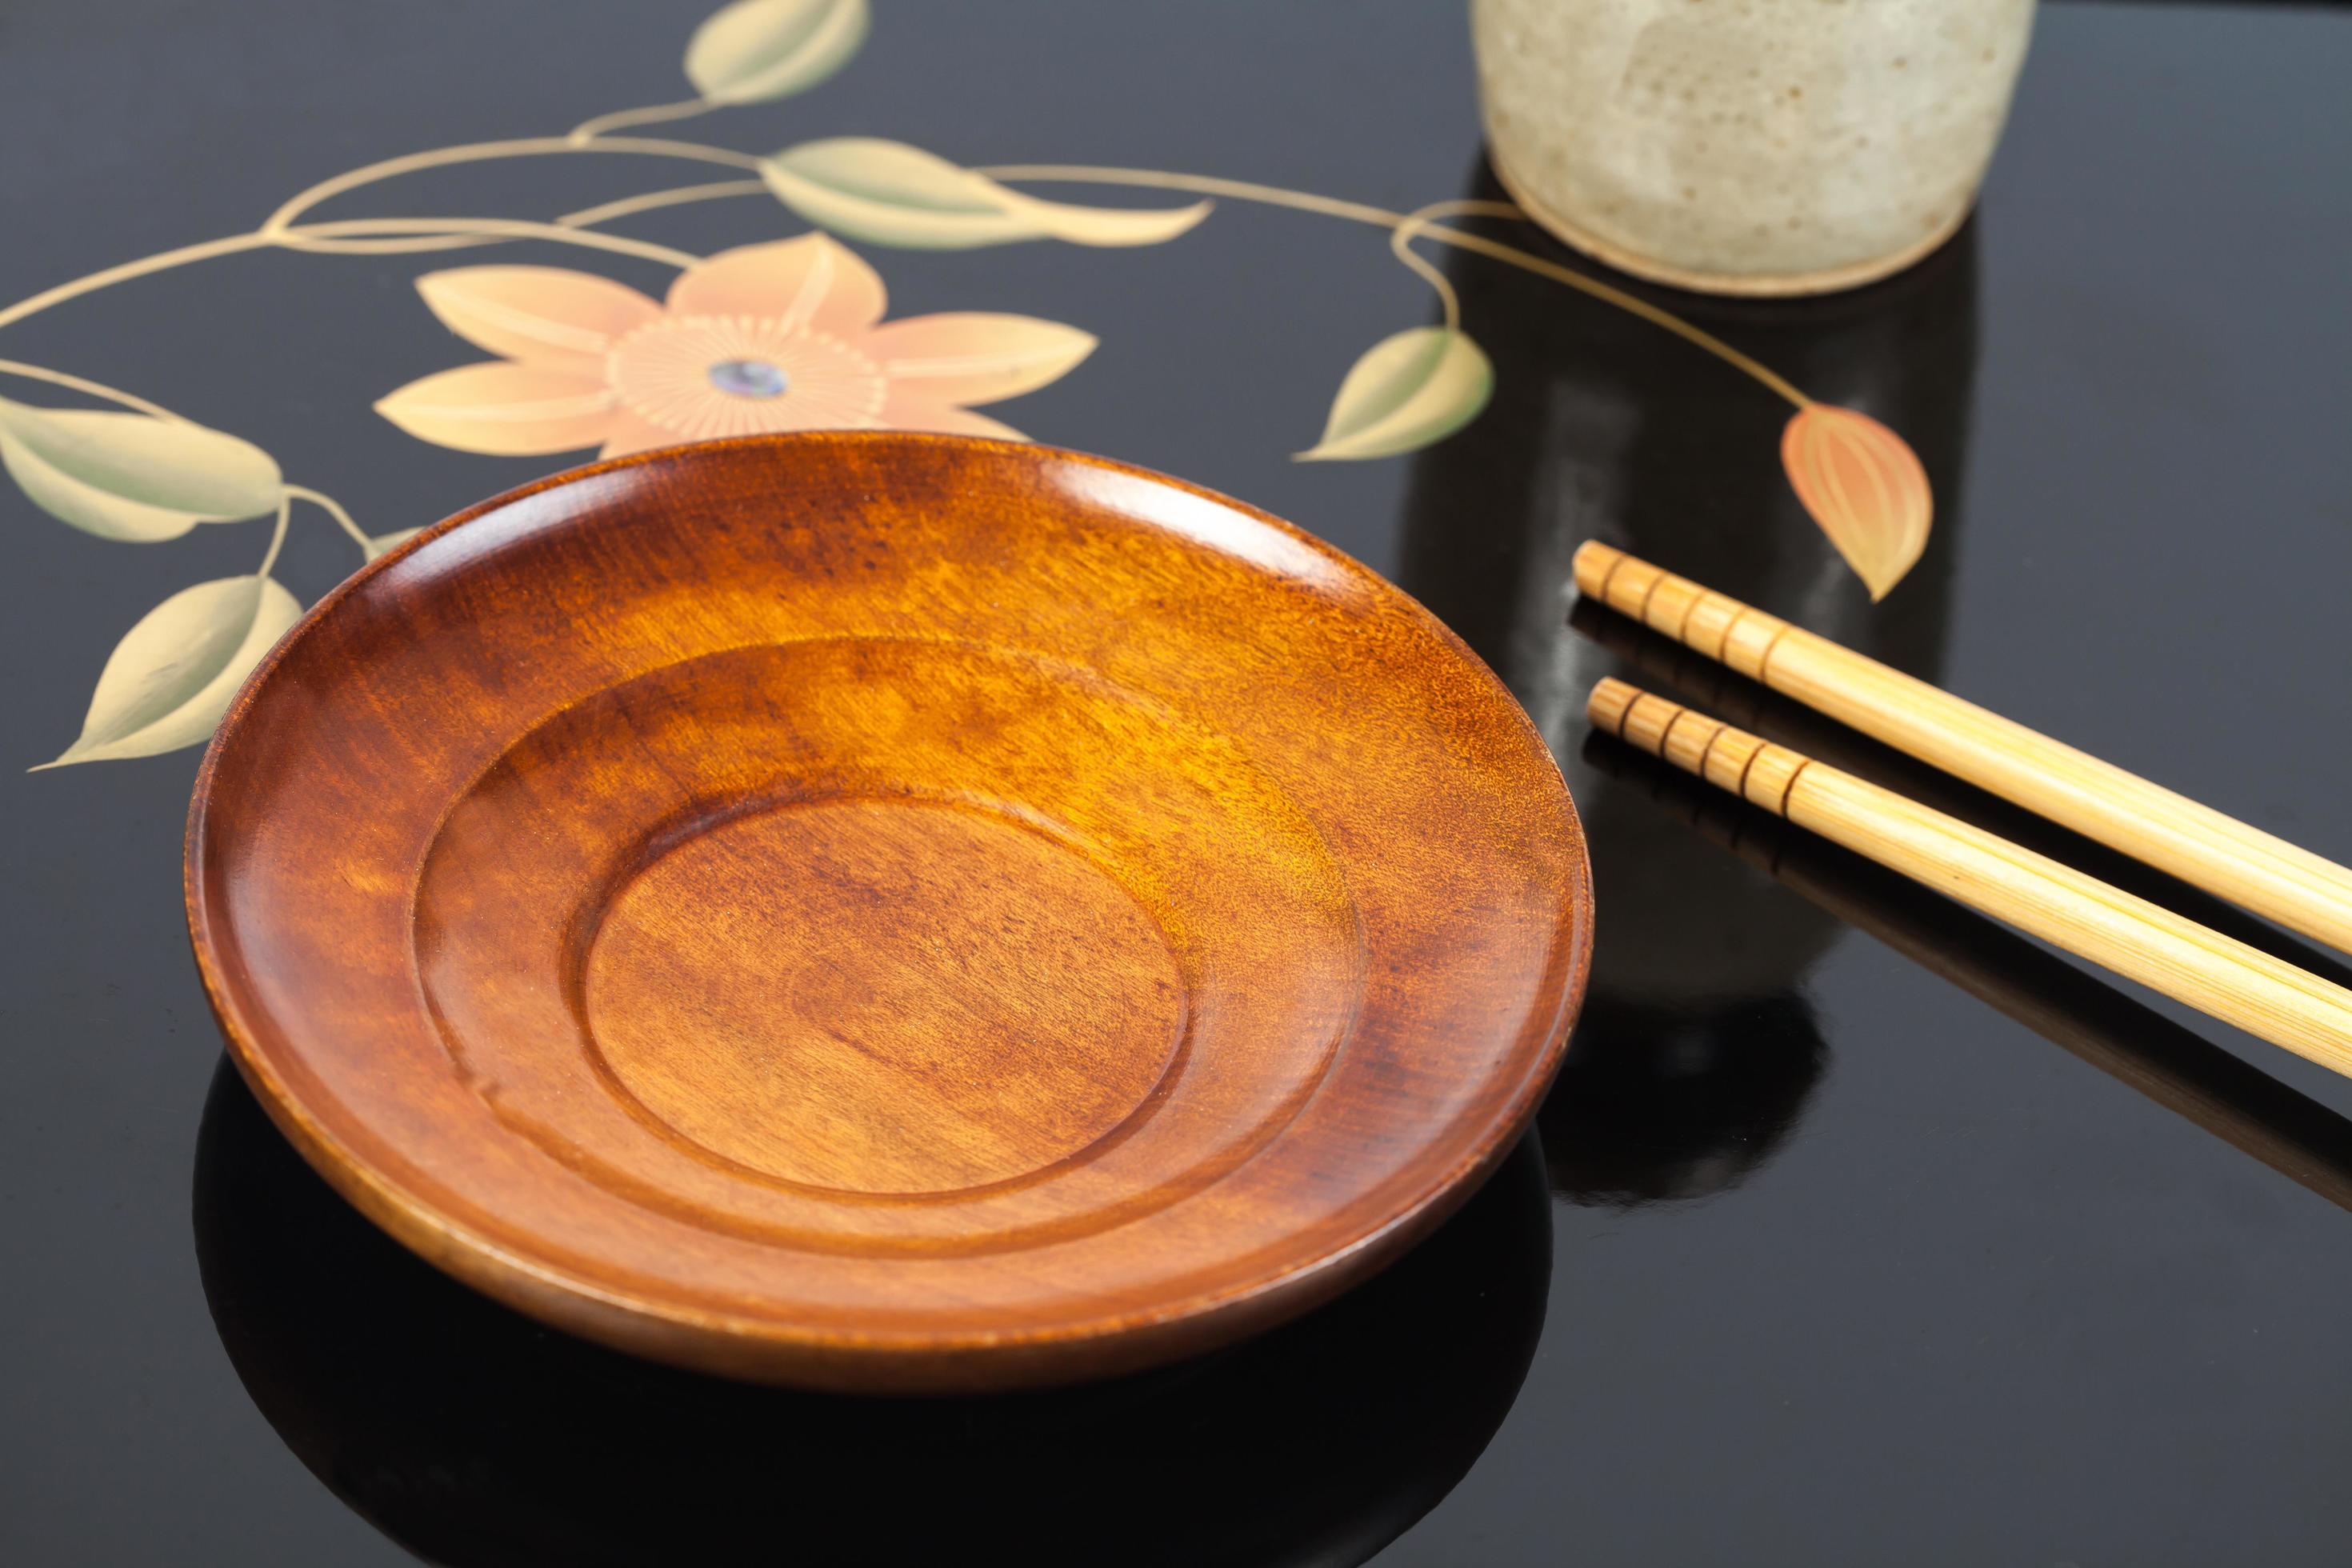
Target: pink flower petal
column 630, row 433
column 813, row 282
column 1864, row 485
column 911, row 411
column 627, row 433
column 543, row 315
column 504, row 409
column 976, row 357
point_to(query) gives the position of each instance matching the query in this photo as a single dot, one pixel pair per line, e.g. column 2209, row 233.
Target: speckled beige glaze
column 1749, row 146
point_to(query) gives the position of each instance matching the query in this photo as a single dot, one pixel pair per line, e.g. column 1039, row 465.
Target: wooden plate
column 887, row 912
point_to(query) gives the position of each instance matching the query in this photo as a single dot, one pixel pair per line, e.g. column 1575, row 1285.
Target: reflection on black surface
column 1696, row 1050
column 1655, row 1103
column 2141, row 1048
column 469, row 1435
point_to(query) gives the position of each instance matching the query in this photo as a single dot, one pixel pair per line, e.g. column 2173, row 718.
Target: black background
column 1840, row 1264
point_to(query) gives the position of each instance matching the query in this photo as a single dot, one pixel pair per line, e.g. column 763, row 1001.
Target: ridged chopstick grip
column 2144, row 941
column 2282, row 882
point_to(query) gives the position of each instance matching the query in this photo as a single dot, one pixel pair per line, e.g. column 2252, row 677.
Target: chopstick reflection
column 2173, row 1066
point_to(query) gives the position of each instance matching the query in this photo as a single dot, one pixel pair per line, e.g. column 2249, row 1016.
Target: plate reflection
column 470, row 1434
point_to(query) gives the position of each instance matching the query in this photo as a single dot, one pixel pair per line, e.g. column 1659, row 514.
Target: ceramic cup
column 1748, row 146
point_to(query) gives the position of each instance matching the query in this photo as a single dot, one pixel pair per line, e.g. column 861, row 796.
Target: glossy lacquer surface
column 1860, row 1232
column 888, row 911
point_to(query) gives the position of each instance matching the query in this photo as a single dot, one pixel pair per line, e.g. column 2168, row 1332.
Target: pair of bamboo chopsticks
column 2217, row 974
column 2078, row 1012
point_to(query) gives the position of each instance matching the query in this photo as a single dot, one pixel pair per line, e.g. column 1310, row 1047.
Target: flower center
column 749, row 378
column 697, row 378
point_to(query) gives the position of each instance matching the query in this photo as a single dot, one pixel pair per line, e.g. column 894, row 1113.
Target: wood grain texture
column 2253, row 870
column 887, row 912
column 2219, row 975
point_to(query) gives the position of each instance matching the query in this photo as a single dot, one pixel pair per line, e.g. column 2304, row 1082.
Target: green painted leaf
column 169, row 678
column 888, row 193
column 1407, row 392
column 131, row 476
column 758, row 49
column 385, row 543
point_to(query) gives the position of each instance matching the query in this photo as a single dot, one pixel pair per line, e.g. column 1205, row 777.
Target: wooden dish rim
column 459, row 1248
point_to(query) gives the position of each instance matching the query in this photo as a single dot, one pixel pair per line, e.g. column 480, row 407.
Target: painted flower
column 1864, row 485
column 785, row 336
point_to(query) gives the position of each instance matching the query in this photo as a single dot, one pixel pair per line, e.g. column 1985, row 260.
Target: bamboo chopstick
column 2177, row 1068
column 2140, row 940
column 2301, row 891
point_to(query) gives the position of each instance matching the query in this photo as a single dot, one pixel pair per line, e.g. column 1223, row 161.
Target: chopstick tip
column 1592, row 563
column 1606, row 708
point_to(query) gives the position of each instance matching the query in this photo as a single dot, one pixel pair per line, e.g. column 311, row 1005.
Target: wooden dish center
column 885, row 997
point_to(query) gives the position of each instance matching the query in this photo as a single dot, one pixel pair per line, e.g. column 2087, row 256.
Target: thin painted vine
column 789, row 334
